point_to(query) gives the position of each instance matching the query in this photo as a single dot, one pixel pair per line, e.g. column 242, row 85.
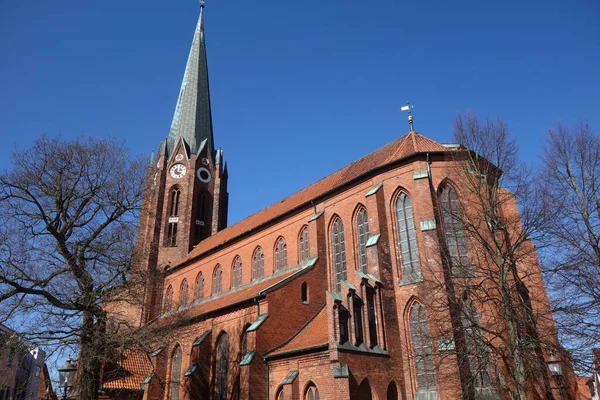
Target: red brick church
column 318, row 296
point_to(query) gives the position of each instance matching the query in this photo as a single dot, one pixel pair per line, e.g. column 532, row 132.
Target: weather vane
column 201, row 3
column 409, row 107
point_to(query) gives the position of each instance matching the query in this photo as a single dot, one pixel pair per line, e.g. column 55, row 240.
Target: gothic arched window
column 477, row 353
column 199, row 287
column 303, row 244
column 183, row 293
column 221, row 367
column 339, row 252
column 168, row 303
column 311, row 392
column 423, row 351
column 175, row 373
column 362, row 229
column 258, row 263
column 280, row 254
column 453, row 228
column 407, row 240
column 236, row 272
column 217, row 280
column 173, row 218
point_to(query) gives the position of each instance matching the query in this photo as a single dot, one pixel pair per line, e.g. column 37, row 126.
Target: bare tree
column 570, row 181
column 499, row 328
column 68, row 218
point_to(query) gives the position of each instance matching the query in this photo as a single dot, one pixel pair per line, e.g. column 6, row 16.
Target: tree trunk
column 92, row 349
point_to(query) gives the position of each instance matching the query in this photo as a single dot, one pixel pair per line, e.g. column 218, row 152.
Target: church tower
column 186, row 195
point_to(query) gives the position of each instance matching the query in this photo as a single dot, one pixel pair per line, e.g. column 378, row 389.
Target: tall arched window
column 183, row 293
column 407, row 240
column 221, row 367
column 217, row 280
column 453, row 228
column 258, row 263
column 362, row 229
column 423, row 351
column 303, row 244
column 173, row 218
column 168, row 303
column 339, row 253
column 236, row 272
column 477, row 352
column 280, row 254
column 311, row 392
column 175, row 373
column 199, row 287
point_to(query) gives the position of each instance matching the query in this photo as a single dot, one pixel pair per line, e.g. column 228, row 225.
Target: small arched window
column 407, row 240
column 303, row 244
column 221, row 367
column 304, row 290
column 453, row 228
column 236, row 272
column 168, row 303
column 339, row 252
column 280, row 254
column 199, row 287
column 392, row 391
column 343, row 316
column 183, row 293
column 175, row 373
column 217, row 280
column 362, row 228
column 423, row 351
column 311, row 392
column 280, row 394
column 258, row 263
column 357, row 308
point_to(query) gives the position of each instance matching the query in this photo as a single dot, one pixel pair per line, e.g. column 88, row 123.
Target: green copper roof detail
column 192, row 120
column 247, row 358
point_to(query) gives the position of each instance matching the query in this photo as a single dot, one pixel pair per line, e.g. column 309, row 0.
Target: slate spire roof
column 192, row 120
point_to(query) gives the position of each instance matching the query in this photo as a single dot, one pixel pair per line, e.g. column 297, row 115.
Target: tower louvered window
column 362, row 227
column 168, row 303
column 199, row 287
column 175, row 373
column 280, row 254
column 183, row 293
column 423, row 351
column 303, row 245
column 236, row 272
column 407, row 240
column 339, row 253
column 217, row 280
column 453, row 230
column 221, row 365
column 173, row 219
column 200, row 215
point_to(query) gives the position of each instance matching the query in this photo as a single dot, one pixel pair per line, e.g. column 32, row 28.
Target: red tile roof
column 406, row 145
column 313, row 334
column 583, row 389
column 134, row 368
column 241, row 294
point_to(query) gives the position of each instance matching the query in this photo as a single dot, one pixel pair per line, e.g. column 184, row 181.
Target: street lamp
column 66, row 373
column 555, row 367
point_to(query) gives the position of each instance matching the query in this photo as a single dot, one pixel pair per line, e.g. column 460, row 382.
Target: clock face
column 178, row 171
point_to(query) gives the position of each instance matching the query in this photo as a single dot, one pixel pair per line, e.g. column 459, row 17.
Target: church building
column 322, row 295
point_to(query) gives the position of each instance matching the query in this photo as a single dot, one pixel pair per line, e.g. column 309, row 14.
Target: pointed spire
column 192, row 120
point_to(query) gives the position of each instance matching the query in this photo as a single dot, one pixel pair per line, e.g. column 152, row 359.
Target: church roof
column 404, row 146
column 314, row 334
column 192, row 120
column 134, row 367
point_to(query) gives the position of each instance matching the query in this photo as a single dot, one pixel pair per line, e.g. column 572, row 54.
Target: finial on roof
column 201, row 5
column 409, row 107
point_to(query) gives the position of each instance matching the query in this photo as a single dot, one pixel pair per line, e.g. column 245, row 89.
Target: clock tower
column 186, row 197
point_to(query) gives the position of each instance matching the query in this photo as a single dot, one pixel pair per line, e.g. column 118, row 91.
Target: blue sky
column 299, row 89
